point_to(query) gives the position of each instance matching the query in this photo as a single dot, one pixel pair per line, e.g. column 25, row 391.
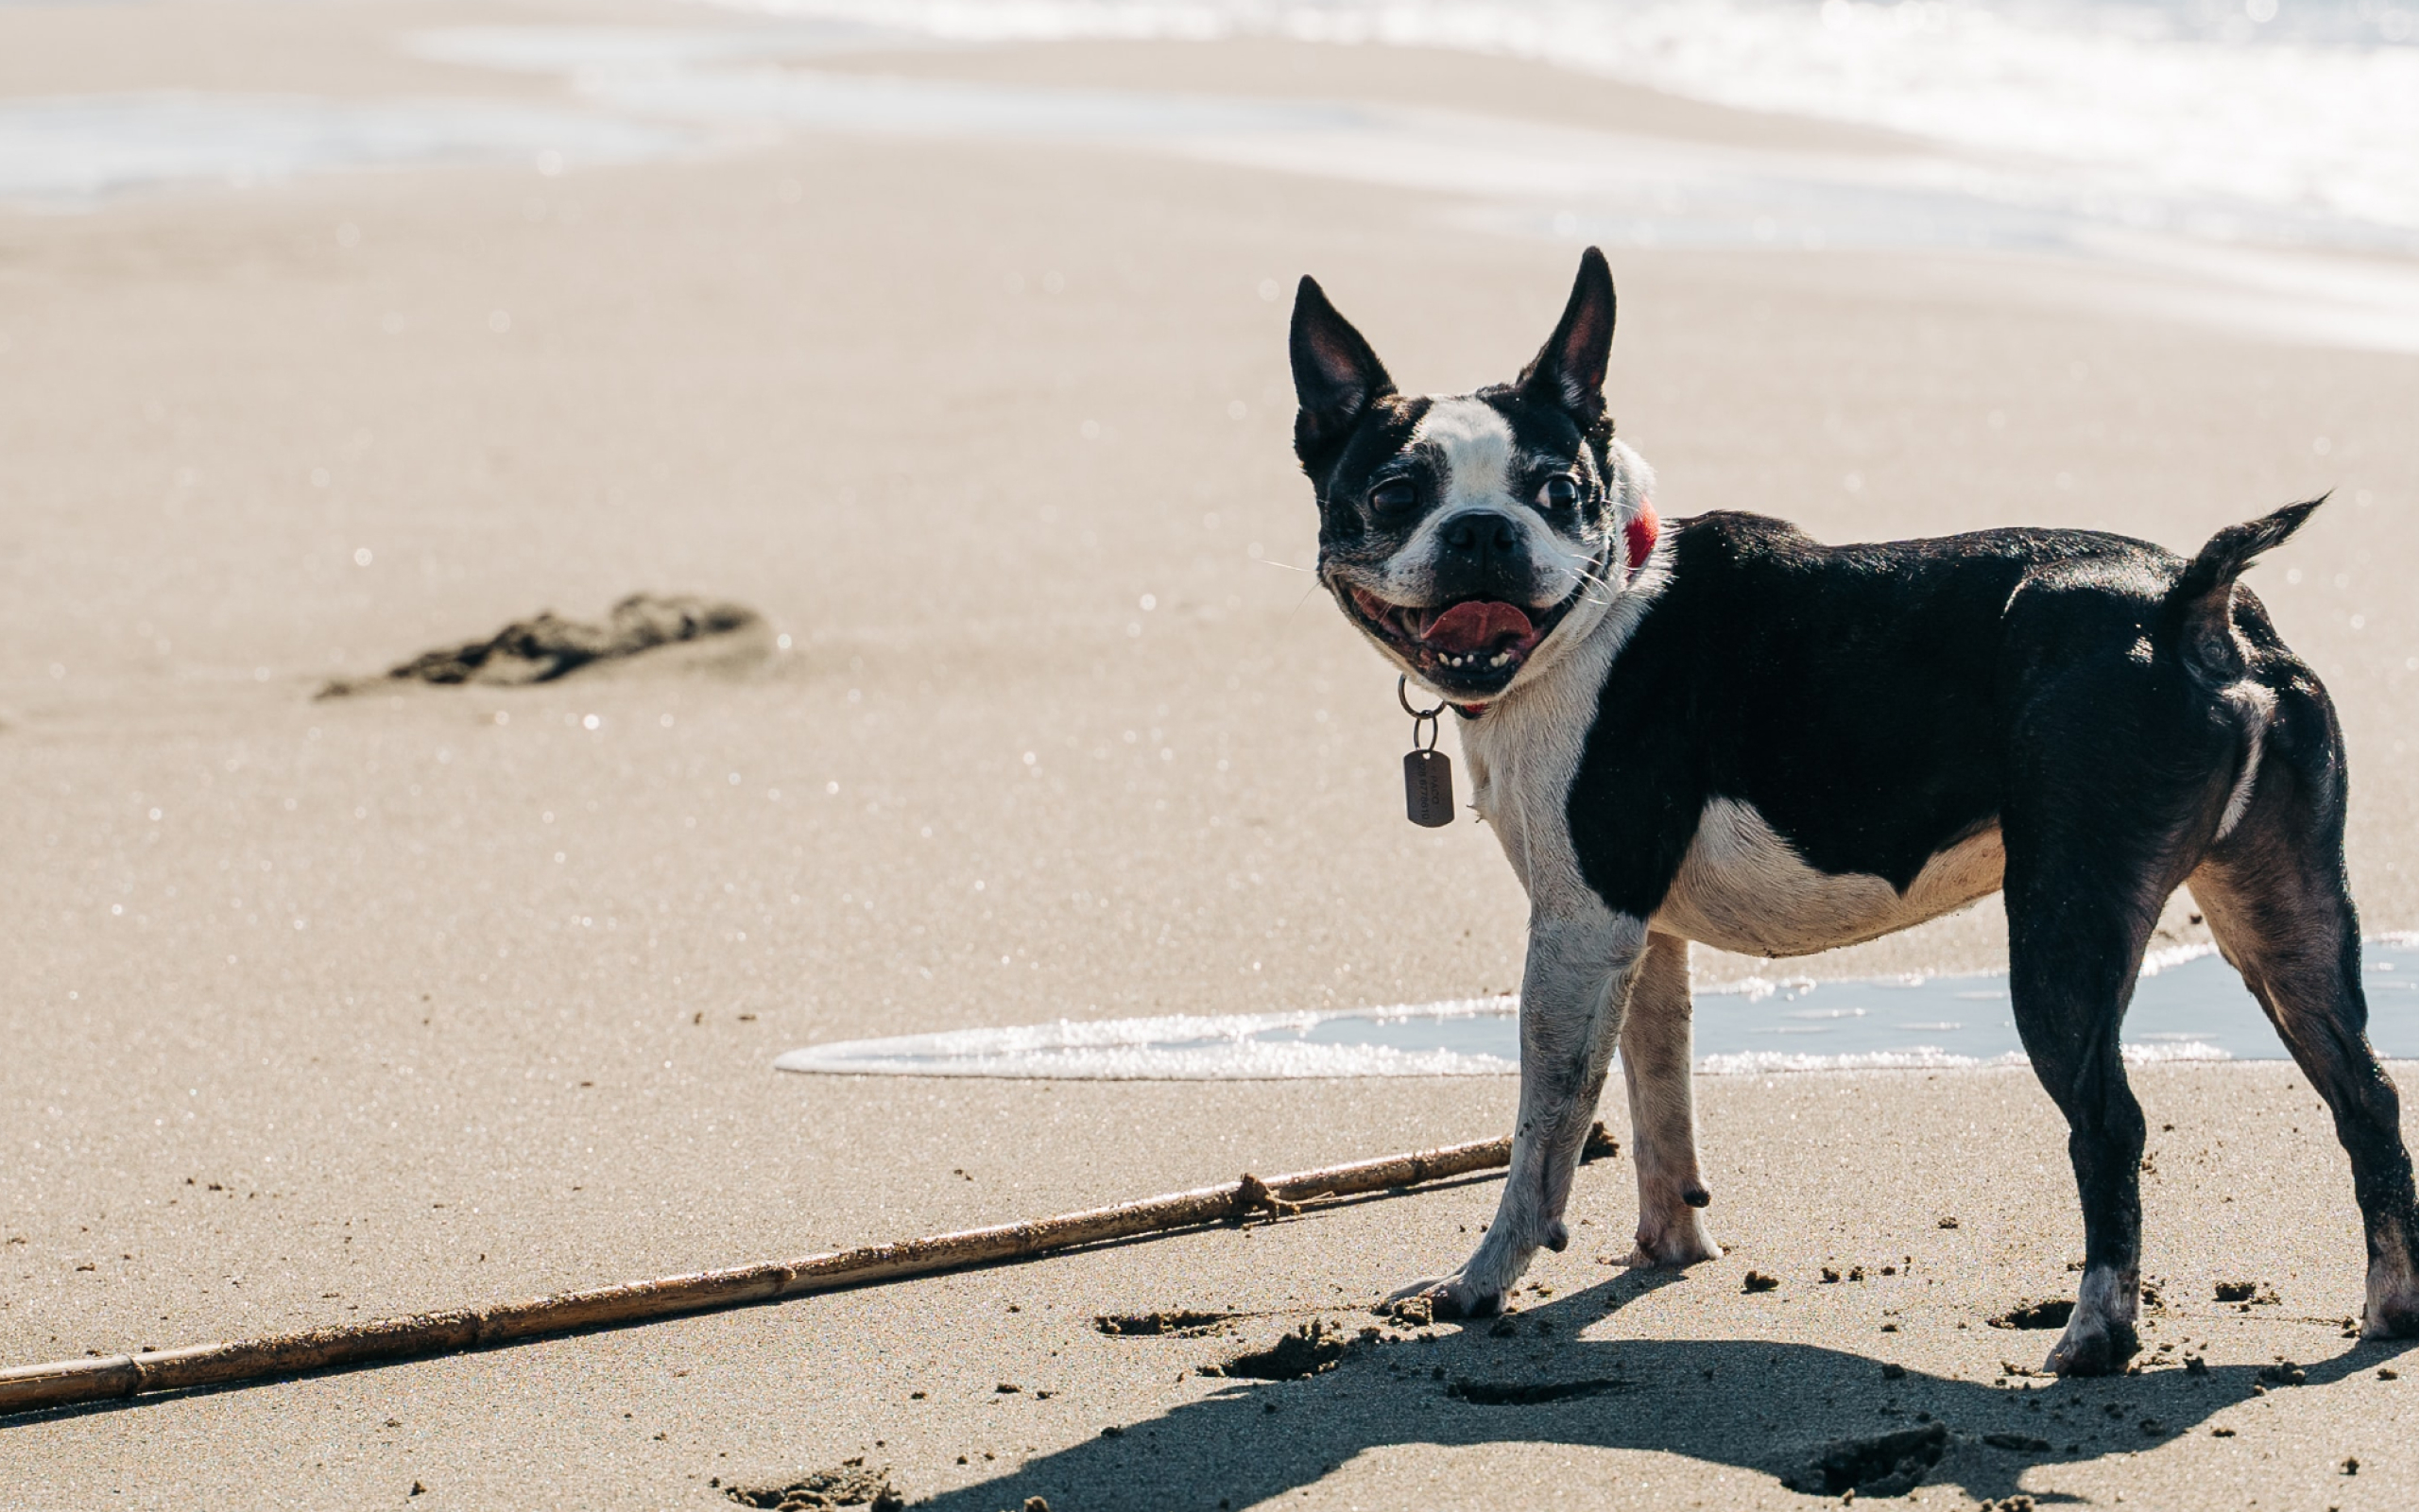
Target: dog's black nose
column 1482, row 538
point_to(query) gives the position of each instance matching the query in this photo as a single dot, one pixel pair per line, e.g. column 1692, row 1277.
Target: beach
column 325, row 1008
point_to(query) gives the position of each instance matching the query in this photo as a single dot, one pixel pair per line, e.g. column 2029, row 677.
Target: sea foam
column 2168, row 110
column 2187, row 1006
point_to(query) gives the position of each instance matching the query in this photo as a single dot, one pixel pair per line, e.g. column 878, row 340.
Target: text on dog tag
column 1428, row 788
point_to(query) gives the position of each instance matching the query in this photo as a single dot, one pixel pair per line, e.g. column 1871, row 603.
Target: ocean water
column 2310, row 107
column 2309, row 238
column 2191, row 1008
column 78, row 151
column 2253, row 166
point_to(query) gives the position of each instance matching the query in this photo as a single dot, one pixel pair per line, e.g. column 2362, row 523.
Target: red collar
column 1638, row 539
column 1638, row 536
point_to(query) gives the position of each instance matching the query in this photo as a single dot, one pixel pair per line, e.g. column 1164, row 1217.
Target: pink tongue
column 1476, row 626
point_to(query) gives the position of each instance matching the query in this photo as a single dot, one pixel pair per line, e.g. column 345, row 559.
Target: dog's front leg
column 1572, row 990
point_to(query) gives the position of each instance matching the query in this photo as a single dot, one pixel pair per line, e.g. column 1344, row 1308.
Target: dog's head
column 1469, row 536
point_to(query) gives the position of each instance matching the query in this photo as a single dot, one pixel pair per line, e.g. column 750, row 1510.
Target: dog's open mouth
column 1475, row 646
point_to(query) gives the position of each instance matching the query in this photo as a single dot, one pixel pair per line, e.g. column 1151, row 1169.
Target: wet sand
column 480, row 999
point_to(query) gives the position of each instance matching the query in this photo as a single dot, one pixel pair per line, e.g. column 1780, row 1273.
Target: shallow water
column 2191, row 1009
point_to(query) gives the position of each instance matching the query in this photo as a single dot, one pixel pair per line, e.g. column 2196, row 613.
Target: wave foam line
column 1176, row 1047
column 2326, row 131
column 1924, row 1058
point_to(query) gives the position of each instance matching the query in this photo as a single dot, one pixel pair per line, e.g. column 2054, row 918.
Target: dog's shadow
column 1769, row 1407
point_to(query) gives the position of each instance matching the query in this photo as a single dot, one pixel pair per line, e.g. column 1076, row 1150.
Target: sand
column 454, row 994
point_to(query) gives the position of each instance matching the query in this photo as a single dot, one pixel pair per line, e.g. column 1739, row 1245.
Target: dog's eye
column 1394, row 496
column 1561, row 492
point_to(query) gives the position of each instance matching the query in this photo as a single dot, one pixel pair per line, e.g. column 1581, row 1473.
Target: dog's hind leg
column 2274, row 893
column 2072, row 971
column 1655, row 1066
column 2079, row 916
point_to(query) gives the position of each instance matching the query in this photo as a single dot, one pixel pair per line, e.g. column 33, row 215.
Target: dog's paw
column 1450, row 1297
column 2092, row 1347
column 1463, row 1298
column 1680, row 1240
column 2391, row 1309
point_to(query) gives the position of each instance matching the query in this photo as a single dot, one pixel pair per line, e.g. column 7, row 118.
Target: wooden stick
column 65, row 1383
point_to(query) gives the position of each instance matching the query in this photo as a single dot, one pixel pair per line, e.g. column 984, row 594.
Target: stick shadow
column 1774, row 1408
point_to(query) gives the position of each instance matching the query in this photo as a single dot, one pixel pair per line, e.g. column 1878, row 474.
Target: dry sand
column 453, row 996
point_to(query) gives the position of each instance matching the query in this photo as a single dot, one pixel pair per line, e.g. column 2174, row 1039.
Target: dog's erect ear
column 1570, row 369
column 1336, row 376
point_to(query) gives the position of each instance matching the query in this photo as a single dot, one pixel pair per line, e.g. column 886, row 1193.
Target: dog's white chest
column 1522, row 758
column 1742, row 887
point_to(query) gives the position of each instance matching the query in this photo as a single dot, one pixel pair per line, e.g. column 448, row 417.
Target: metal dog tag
column 1428, row 777
column 1428, row 788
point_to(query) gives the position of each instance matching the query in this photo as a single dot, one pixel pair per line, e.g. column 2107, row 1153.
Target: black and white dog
column 1724, row 731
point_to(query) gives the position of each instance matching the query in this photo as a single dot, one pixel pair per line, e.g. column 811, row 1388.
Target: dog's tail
column 2199, row 611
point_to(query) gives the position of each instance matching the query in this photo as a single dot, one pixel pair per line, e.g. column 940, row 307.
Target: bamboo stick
column 66, row 1383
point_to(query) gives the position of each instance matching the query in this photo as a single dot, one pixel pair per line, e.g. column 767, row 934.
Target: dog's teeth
column 1465, row 660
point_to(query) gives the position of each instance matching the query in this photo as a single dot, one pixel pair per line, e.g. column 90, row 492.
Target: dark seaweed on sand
column 546, row 648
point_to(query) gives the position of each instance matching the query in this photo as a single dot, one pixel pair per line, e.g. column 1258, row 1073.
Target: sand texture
column 321, row 1010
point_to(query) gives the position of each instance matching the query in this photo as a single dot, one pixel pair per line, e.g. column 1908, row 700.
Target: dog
column 1721, row 729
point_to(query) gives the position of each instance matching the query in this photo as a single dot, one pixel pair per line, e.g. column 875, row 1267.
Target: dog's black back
column 1863, row 698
